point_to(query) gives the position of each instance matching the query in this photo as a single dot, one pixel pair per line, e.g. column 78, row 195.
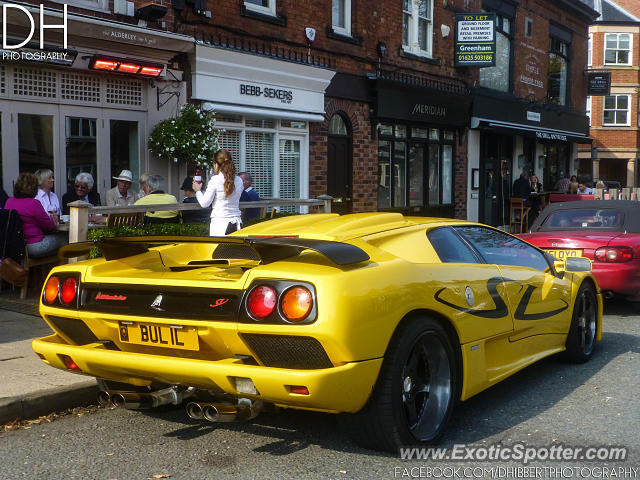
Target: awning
column 263, row 112
column 540, row 133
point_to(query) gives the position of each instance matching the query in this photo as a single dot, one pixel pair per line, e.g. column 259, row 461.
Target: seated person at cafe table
column 82, row 190
column 521, row 187
column 584, row 190
column 154, row 195
column 121, row 195
column 39, row 229
column 534, row 200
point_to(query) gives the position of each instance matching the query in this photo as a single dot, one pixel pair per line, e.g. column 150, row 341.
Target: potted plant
column 191, row 136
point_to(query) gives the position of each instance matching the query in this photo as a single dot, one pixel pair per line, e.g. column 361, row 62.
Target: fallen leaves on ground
column 19, row 423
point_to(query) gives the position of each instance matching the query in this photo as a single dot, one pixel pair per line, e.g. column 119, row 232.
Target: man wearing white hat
column 121, row 195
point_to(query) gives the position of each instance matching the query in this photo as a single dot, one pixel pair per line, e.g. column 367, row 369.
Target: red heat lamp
column 122, row 65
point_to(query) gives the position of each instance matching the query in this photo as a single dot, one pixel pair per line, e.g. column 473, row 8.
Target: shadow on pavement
column 515, row 400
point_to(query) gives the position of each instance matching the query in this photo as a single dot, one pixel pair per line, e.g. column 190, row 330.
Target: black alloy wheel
column 581, row 339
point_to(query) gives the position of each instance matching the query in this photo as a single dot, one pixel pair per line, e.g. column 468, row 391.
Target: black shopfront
column 418, row 129
column 517, row 136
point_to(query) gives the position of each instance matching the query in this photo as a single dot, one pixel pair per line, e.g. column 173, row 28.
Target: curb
column 44, row 402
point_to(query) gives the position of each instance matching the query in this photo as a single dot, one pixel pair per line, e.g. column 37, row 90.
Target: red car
column 605, row 231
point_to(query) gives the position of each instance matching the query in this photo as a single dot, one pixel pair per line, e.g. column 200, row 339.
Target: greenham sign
column 475, row 44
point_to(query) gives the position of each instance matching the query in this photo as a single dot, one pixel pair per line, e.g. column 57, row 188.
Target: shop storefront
column 419, row 147
column 511, row 136
column 265, row 106
column 89, row 107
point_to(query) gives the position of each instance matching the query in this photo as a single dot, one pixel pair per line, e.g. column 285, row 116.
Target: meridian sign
column 475, row 42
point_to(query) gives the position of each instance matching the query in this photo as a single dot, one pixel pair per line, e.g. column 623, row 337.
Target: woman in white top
column 45, row 195
column 223, row 192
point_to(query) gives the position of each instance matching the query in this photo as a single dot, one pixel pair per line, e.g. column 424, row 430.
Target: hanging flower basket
column 191, row 136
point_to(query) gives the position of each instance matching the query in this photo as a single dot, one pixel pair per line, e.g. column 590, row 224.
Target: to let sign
column 475, row 44
column 599, row 83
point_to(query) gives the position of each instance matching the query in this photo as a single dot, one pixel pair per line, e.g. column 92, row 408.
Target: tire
column 581, row 340
column 416, row 389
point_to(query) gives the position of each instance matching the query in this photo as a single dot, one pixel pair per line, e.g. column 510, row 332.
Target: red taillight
column 51, row 290
column 69, row 363
column 128, row 68
column 614, row 254
column 297, row 302
column 69, row 290
column 262, row 301
column 299, row 389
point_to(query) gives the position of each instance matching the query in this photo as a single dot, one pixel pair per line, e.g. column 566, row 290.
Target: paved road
column 551, row 402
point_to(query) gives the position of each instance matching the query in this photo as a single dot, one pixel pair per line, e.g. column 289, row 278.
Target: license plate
column 562, row 254
column 155, row 335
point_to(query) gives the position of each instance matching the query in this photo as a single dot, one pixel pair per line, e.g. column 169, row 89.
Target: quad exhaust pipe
column 143, row 400
column 224, row 412
column 607, row 294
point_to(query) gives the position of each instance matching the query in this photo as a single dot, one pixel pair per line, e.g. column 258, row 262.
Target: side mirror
column 559, row 266
column 577, row 264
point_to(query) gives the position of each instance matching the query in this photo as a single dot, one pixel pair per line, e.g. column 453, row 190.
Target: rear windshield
column 584, row 219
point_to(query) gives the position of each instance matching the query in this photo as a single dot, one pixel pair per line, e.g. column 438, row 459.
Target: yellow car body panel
column 358, row 309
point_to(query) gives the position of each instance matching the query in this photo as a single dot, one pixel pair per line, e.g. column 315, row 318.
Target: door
column 339, row 165
column 496, row 152
column 539, row 300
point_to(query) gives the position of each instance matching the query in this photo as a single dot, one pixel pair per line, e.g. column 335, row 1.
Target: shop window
column 258, row 147
column 289, row 184
column 35, row 143
column 416, row 172
column 588, row 109
column 616, row 110
column 384, row 129
column 260, row 123
column 293, row 124
column 617, row 49
column 498, row 77
column 417, row 28
column 384, row 174
column 262, row 6
column 341, row 16
column 557, row 71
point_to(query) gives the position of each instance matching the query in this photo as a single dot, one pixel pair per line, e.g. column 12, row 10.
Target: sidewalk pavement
column 29, row 387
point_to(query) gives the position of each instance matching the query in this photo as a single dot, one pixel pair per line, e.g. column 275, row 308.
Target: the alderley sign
column 7, row 44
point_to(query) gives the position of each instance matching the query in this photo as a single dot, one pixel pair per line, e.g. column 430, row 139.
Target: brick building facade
column 356, row 98
column 614, row 46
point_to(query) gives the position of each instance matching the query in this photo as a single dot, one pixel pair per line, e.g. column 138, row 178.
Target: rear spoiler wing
column 269, row 249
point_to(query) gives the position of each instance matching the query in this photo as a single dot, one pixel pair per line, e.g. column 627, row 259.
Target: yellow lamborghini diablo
column 391, row 319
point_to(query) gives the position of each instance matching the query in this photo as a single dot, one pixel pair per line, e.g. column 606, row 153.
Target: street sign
column 599, row 83
column 475, row 41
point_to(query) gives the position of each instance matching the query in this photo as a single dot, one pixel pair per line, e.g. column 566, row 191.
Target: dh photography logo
column 23, row 47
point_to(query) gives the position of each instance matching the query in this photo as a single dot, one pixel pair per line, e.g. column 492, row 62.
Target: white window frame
column 270, row 10
column 279, row 132
column 628, row 110
column 414, row 23
column 346, row 30
column 590, row 50
column 93, row 5
column 629, row 57
column 588, row 108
